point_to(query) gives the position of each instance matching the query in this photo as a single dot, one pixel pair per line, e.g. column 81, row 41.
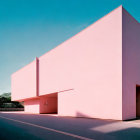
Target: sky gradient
column 30, row 28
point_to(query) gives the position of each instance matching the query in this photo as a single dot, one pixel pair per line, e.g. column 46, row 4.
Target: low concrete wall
column 11, row 109
column 32, row 105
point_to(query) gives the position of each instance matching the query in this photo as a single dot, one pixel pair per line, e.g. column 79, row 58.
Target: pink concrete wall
column 67, row 103
column 131, row 64
column 32, row 106
column 90, row 64
column 24, row 82
column 43, row 104
column 95, row 72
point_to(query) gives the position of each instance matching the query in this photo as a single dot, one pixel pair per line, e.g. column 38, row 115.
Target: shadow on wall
column 95, row 121
column 82, row 115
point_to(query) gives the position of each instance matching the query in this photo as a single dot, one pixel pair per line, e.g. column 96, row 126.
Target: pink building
column 94, row 74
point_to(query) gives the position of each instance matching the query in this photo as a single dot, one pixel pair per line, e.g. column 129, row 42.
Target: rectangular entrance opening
column 49, row 104
column 137, row 101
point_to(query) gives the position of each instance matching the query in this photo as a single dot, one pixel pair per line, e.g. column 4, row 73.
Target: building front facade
column 95, row 74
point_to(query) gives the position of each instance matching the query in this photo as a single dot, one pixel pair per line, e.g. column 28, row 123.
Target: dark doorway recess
column 137, row 101
column 49, row 103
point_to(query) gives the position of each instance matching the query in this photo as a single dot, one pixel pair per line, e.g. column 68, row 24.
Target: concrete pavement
column 19, row 126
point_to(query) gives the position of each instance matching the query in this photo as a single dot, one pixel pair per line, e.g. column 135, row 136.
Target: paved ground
column 18, row 126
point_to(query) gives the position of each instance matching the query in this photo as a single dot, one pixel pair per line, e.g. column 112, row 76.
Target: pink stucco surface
column 89, row 65
column 24, row 82
column 32, row 105
column 93, row 74
column 131, row 63
column 43, row 104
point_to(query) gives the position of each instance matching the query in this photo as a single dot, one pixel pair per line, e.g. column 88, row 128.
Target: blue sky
column 30, row 28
